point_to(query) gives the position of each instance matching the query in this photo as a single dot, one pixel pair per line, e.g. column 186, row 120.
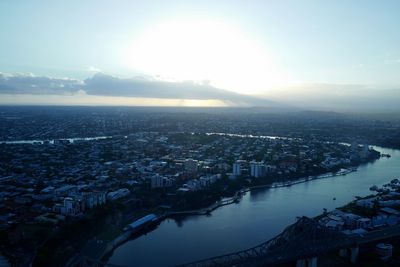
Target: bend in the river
column 259, row 216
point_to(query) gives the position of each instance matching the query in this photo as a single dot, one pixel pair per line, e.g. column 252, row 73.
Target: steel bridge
column 305, row 238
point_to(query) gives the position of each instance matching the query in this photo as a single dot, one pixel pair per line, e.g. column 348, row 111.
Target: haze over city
column 340, row 55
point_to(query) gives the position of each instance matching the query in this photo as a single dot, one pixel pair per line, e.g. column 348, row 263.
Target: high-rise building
column 257, row 169
column 237, row 169
column 157, row 181
column 93, row 199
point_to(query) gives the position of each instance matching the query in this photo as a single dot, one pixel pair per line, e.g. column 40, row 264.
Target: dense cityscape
column 259, row 133
column 58, row 190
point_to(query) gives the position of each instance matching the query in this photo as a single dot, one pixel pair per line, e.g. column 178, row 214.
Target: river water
column 52, row 141
column 258, row 217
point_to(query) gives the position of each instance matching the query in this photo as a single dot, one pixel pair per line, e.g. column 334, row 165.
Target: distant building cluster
column 45, row 180
column 366, row 214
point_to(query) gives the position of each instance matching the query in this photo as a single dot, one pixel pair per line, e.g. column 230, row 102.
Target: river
column 259, row 216
column 52, row 141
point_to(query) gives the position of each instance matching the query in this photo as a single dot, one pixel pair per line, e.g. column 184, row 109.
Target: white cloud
column 93, row 69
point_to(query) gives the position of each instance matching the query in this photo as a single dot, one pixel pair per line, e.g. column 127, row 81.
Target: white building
column 237, row 169
column 257, row 169
column 206, row 181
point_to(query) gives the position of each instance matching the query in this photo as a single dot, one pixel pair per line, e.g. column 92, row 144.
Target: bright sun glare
column 204, row 50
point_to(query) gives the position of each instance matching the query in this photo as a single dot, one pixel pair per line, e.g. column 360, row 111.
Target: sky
column 279, row 50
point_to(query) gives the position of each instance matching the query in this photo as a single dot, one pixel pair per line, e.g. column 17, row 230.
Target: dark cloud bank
column 106, row 85
column 30, row 84
column 317, row 96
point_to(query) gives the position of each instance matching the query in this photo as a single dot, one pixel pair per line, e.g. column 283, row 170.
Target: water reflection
column 259, row 194
column 259, row 216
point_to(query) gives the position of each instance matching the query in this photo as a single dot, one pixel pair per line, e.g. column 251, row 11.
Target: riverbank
column 258, row 216
column 238, row 194
column 234, row 199
column 105, row 249
column 124, row 237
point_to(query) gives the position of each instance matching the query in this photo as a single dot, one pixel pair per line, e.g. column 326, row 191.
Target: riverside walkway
column 206, row 210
